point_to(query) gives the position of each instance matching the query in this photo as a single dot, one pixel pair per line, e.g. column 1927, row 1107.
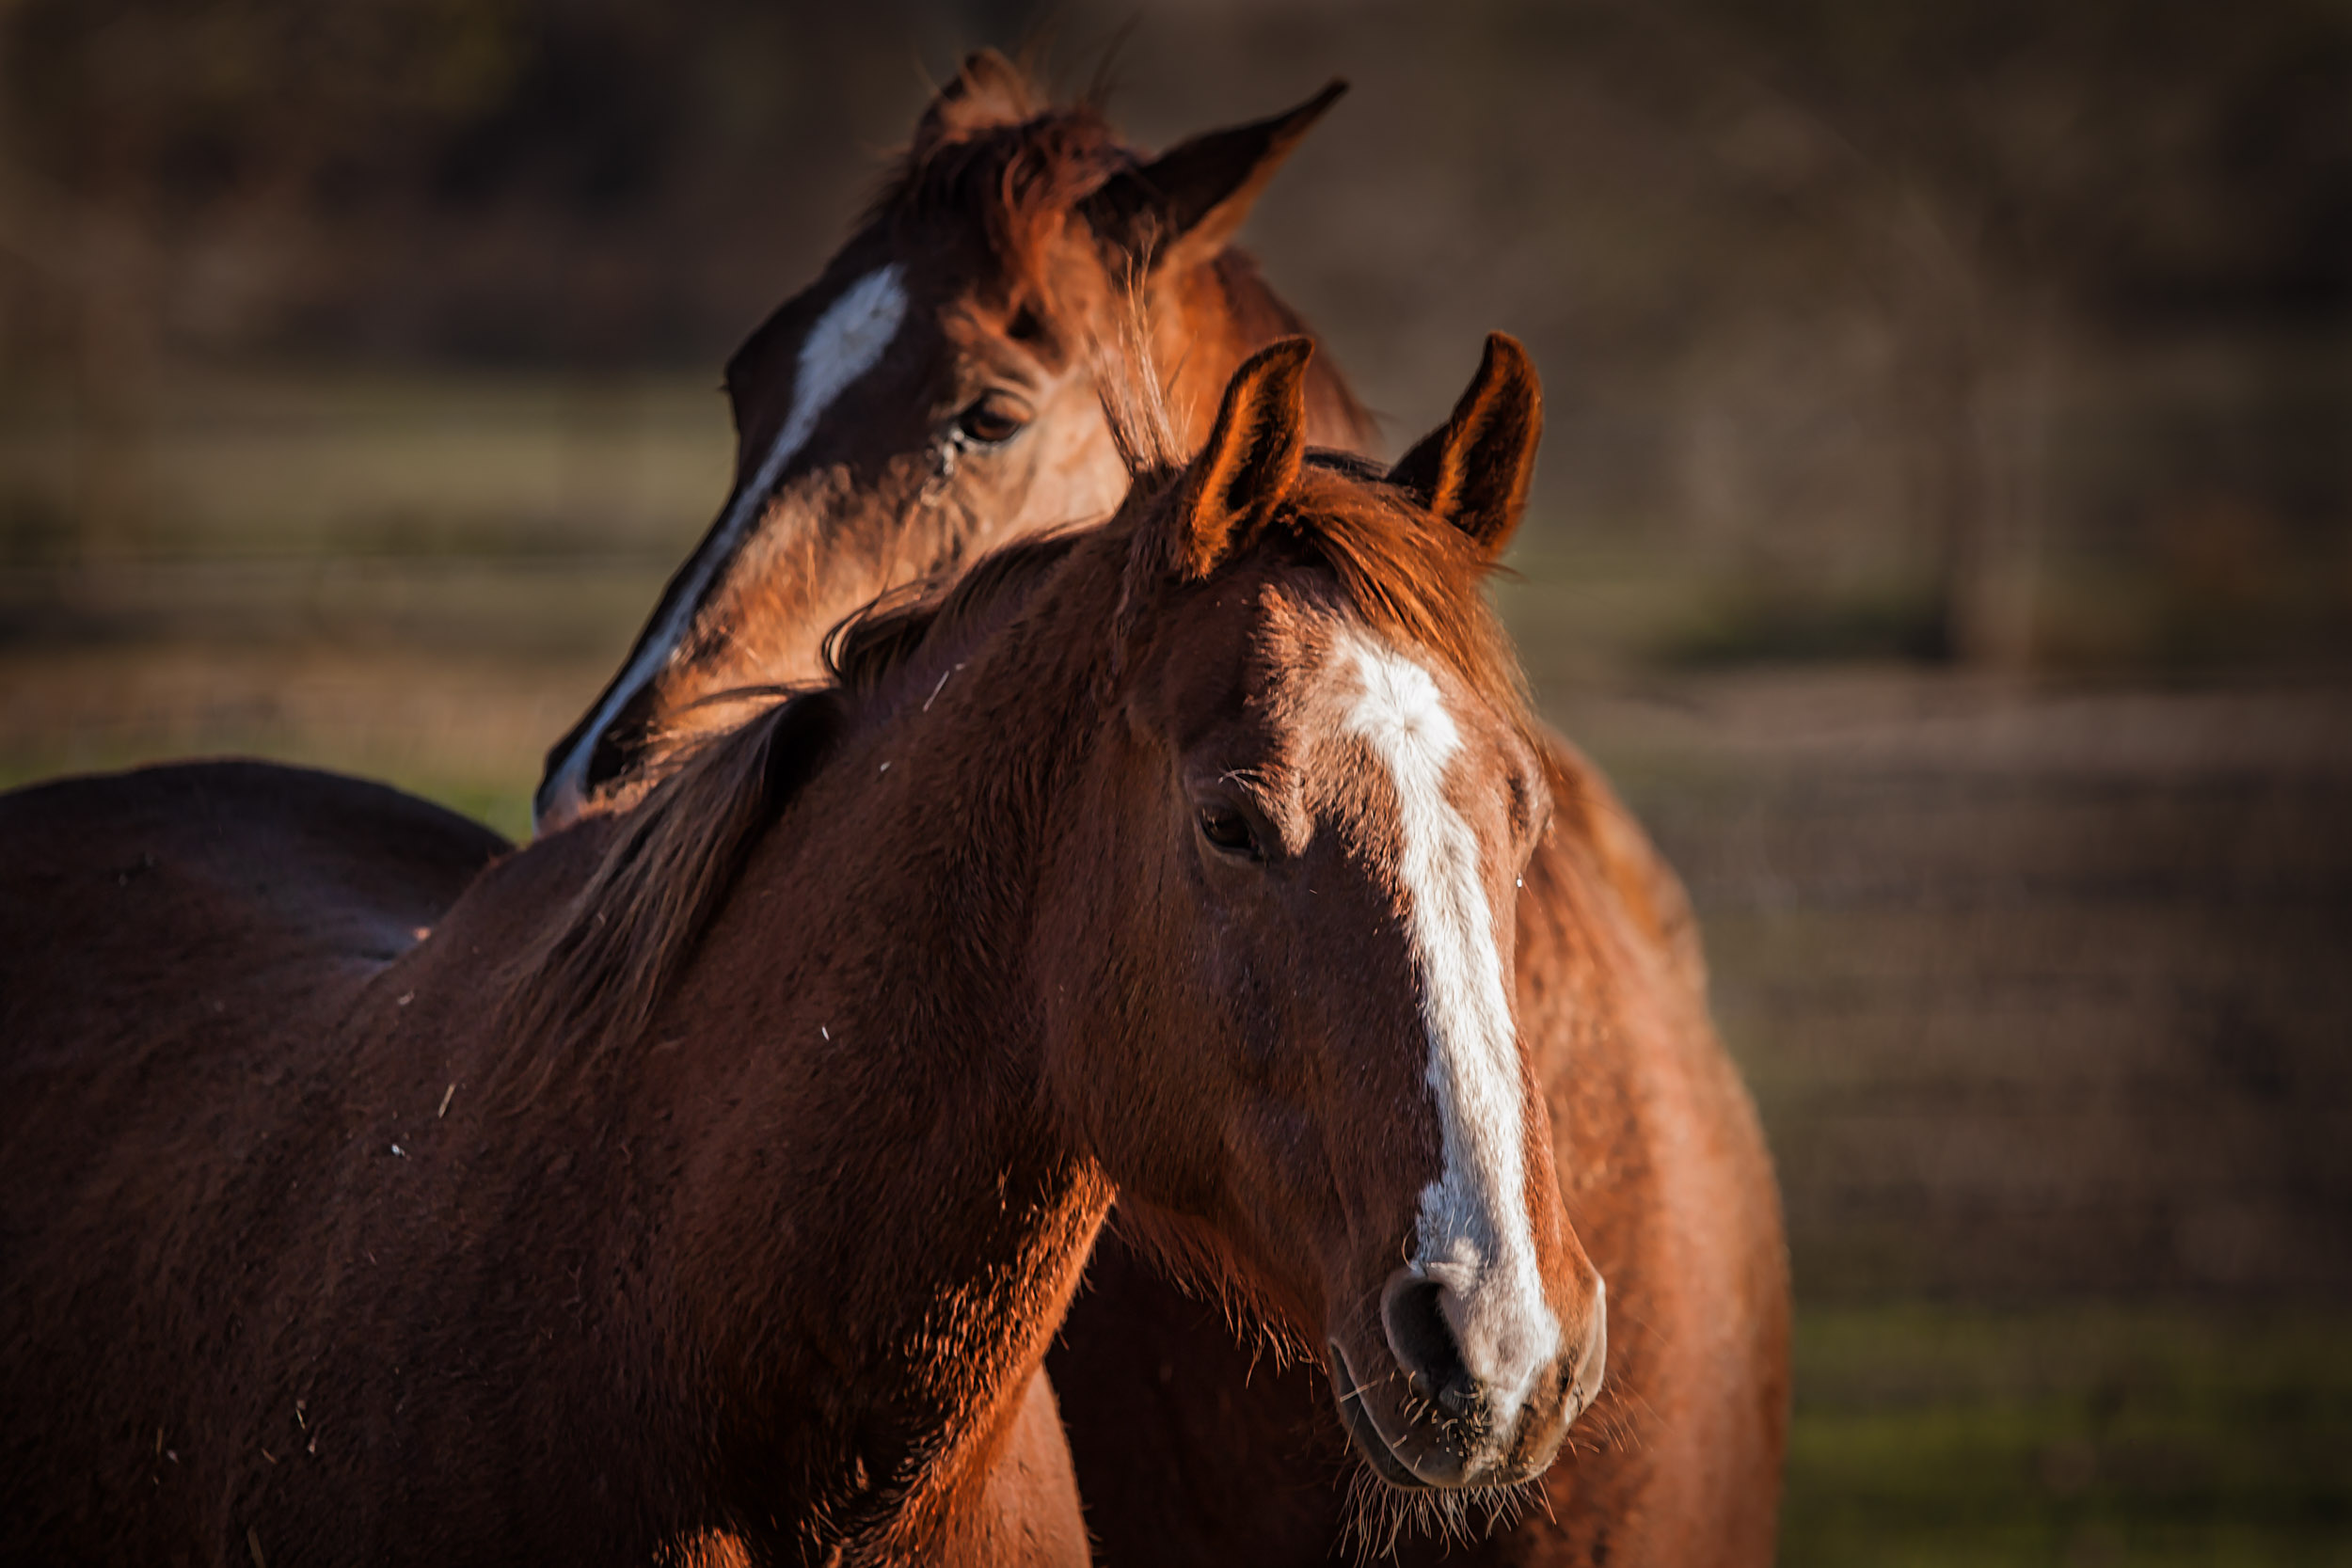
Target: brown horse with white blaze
column 706, row 1184
column 936, row 392
column 1022, row 224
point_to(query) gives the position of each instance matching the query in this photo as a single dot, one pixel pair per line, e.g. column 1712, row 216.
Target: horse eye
column 992, row 420
column 1229, row 831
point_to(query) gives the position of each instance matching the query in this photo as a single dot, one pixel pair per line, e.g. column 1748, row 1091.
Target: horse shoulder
column 179, row 950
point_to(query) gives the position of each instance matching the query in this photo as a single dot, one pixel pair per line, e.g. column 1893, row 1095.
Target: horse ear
column 1183, row 206
column 1250, row 463
column 990, row 91
column 1474, row 469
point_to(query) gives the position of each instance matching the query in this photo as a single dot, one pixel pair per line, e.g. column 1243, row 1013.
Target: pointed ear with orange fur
column 1185, row 206
column 1250, row 463
column 1474, row 470
column 988, row 92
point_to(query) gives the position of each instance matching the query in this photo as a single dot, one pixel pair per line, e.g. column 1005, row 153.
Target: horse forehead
column 842, row 326
column 1317, row 673
column 1409, row 733
column 1063, row 283
column 852, row 331
column 1396, row 704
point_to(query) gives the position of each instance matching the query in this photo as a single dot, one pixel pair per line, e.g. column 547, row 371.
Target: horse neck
column 882, row 1217
column 775, row 617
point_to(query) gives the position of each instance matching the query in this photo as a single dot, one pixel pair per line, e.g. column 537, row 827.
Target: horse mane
column 875, row 642
column 596, row 974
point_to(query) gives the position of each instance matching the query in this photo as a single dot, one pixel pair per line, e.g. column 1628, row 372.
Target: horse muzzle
column 1427, row 1413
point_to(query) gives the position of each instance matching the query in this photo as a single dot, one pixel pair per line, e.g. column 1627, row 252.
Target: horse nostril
column 1411, row 1312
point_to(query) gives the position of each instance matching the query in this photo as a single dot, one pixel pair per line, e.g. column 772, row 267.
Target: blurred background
column 1944, row 537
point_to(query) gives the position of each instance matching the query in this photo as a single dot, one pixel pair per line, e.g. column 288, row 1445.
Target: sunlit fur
column 626, row 1216
column 852, row 336
column 1662, row 1160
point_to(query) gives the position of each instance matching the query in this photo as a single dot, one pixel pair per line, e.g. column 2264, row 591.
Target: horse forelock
column 1410, row 577
column 1020, row 183
column 1017, row 184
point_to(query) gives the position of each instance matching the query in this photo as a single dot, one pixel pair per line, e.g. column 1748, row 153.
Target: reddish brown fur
column 1011, row 286
column 706, row 1185
column 1667, row 1178
column 238, row 1325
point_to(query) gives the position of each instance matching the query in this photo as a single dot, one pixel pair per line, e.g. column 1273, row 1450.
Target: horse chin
column 1364, row 1431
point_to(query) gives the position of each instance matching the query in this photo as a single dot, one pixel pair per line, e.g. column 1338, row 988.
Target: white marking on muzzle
column 847, row 340
column 1475, row 1235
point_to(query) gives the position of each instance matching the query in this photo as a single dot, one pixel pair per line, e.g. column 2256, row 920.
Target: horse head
column 935, row 391
column 1282, row 998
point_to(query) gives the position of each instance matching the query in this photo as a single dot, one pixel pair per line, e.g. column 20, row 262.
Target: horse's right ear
column 1184, row 205
column 1473, row 471
column 1250, row 463
column 988, row 92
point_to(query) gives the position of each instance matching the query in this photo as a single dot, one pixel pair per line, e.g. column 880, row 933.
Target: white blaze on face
column 847, row 340
column 1475, row 1235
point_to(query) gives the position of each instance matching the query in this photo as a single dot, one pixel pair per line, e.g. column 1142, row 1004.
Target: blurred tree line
column 1797, row 265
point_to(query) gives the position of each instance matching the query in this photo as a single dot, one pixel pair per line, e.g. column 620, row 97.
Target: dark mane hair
column 874, row 642
column 598, row 969
column 598, row 973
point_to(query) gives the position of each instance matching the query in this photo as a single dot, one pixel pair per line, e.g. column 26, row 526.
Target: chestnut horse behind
column 707, row 1182
column 935, row 392
column 932, row 393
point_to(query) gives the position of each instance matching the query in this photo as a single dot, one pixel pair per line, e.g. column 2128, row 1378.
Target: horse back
column 178, row 949
column 141, row 894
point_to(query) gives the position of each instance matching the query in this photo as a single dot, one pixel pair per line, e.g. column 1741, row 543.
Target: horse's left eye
column 1229, row 831
column 992, row 420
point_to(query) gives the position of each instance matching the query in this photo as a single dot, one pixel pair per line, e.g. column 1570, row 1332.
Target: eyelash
column 988, row 422
column 1229, row 832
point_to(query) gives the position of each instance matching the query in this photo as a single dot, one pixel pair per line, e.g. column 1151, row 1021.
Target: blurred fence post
column 1980, row 408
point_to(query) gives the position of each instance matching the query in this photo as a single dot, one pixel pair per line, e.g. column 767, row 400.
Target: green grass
column 2161, row 1435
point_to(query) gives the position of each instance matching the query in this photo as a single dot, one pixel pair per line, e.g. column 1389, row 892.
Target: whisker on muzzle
column 1380, row 1517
